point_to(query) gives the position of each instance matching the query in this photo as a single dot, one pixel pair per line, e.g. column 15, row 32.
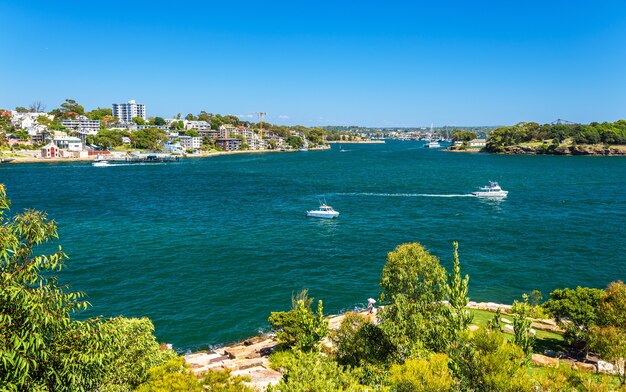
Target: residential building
column 27, row 120
column 191, row 142
column 83, row 125
column 69, row 143
column 173, row 148
column 227, row 144
column 125, row 112
column 225, row 131
column 197, row 125
column 477, row 143
column 210, row 133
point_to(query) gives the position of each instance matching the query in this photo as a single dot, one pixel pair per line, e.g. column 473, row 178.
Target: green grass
column 546, row 340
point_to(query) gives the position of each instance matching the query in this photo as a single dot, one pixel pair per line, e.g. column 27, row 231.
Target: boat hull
column 322, row 214
column 498, row 195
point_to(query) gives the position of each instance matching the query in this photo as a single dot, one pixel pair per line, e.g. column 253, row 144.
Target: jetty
column 138, row 158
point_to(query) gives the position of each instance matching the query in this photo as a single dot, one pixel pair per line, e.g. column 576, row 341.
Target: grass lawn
column 546, row 340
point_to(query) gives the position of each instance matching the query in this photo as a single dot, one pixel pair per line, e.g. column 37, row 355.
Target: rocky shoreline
column 250, row 357
column 578, row 149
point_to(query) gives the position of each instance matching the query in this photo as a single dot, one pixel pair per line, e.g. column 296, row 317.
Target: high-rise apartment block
column 127, row 111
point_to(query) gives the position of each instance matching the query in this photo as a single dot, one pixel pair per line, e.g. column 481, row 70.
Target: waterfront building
column 50, row 150
column 477, row 143
column 173, row 148
column 69, row 143
column 228, row 144
column 125, row 112
column 190, row 142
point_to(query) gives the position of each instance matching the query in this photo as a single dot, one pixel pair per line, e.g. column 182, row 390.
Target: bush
column 422, row 375
column 300, row 327
column 358, row 342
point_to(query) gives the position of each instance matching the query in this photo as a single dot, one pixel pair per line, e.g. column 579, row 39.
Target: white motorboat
column 492, row 190
column 433, row 144
column 325, row 211
column 101, row 163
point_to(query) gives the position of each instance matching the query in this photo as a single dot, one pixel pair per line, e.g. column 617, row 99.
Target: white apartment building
column 197, row 125
column 69, row 143
column 27, row 120
column 192, row 142
column 127, row 111
column 83, row 125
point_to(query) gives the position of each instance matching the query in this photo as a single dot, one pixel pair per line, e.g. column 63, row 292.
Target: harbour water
column 207, row 248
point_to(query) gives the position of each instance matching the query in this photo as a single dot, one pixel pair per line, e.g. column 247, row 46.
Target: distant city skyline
column 403, row 64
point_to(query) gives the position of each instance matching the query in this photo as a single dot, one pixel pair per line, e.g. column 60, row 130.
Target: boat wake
column 403, row 194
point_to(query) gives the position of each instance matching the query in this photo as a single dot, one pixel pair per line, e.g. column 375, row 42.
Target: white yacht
column 492, row 190
column 433, row 144
column 325, row 211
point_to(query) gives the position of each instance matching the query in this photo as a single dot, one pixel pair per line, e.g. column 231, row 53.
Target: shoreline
column 18, row 160
column 355, row 141
column 249, row 357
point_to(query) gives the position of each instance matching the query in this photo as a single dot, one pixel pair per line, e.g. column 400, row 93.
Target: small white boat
column 101, row 163
column 492, row 190
column 325, row 211
column 433, row 144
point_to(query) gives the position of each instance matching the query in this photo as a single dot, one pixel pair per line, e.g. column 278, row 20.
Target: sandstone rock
column 260, row 377
column 473, row 328
column 606, row 367
column 586, row 367
column 508, row 329
column 506, row 320
column 542, row 360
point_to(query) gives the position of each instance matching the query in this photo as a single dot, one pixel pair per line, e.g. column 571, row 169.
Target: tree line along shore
column 423, row 337
column 79, row 134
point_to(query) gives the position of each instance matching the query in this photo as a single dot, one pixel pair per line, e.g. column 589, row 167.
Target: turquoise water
column 207, row 248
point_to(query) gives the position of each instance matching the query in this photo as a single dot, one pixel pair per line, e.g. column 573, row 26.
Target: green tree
column 99, row 113
column 463, row 136
column 575, row 310
column 131, row 350
column 138, row 120
column 192, row 133
column 295, row 142
column 21, row 109
column 107, row 138
column 190, row 117
column 159, row 121
column 300, row 327
column 149, row 138
column 521, row 327
column 41, row 347
column 414, row 287
column 358, row 342
column 459, row 318
column 610, row 343
column 612, row 306
column 486, row 362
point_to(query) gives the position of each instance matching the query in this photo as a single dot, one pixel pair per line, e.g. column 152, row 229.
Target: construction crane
column 260, row 114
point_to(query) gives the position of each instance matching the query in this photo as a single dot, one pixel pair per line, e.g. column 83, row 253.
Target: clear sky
column 373, row 63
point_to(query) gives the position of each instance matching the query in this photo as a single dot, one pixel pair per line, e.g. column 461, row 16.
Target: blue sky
column 367, row 63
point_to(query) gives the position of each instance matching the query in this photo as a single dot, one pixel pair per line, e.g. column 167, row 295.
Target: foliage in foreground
column 41, row 347
column 312, row 371
column 174, row 376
